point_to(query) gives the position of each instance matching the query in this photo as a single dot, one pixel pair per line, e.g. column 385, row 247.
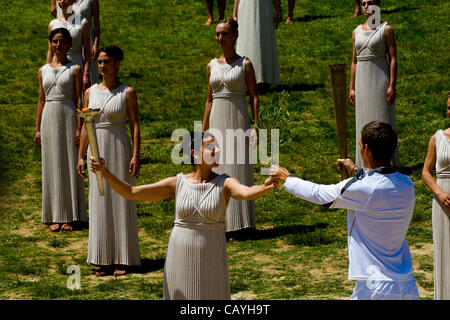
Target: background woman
column 230, row 77
column 196, row 265
column 439, row 154
column 58, row 133
column 80, row 52
column 209, row 10
column 87, row 9
column 113, row 239
column 373, row 79
column 257, row 39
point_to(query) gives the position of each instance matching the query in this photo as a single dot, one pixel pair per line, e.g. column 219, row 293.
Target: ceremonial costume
column 380, row 204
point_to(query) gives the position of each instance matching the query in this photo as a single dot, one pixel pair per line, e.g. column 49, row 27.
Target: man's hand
column 347, row 164
column 278, row 173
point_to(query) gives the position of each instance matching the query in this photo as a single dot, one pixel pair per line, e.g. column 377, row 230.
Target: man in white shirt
column 380, row 204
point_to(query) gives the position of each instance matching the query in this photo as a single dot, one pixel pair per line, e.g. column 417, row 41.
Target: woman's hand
column 86, row 81
column 135, row 166
column 444, row 198
column 352, row 97
column 77, row 137
column 391, row 95
column 254, row 138
column 80, row 169
column 37, row 138
column 95, row 166
column 94, row 52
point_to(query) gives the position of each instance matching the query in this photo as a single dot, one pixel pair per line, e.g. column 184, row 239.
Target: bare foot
column 289, row 20
column 355, row 13
column 55, row 227
column 103, row 271
column 120, row 271
column 208, row 22
column 67, row 227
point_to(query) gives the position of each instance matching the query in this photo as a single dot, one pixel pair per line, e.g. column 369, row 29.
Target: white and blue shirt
column 380, row 204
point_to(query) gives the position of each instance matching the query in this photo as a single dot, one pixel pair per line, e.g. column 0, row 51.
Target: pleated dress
column 75, row 26
column 371, row 83
column 83, row 8
column 229, row 111
column 113, row 232
column 196, row 266
column 441, row 221
column 62, row 189
column 257, row 39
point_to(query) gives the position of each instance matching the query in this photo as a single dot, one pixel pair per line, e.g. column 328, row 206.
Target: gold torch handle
column 92, row 137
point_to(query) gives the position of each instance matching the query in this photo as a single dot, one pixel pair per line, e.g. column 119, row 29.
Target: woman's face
column 210, row 152
column 224, row 35
column 60, row 46
column 107, row 65
column 65, row 3
column 365, row 5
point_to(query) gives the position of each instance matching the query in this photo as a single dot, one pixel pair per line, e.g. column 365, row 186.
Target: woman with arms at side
column 90, row 10
column 439, row 155
column 372, row 78
column 58, row 133
column 78, row 27
column 230, row 77
column 113, row 238
column 196, row 265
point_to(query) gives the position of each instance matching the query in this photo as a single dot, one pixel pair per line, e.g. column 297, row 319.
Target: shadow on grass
column 398, row 9
column 289, row 88
column 280, row 231
column 148, row 265
column 308, row 18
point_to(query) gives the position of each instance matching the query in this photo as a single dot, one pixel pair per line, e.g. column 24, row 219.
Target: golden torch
column 89, row 123
column 339, row 89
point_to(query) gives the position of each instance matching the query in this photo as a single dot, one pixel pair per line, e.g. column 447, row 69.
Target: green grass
column 300, row 250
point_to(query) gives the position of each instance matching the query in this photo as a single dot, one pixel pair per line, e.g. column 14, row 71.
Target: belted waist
column 107, row 124
column 443, row 175
column 199, row 225
column 58, row 97
column 370, row 57
column 228, row 94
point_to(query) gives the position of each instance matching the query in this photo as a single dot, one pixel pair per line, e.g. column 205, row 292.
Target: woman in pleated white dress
column 230, row 77
column 78, row 26
column 90, row 10
column 372, row 79
column 58, row 133
column 113, row 232
column 196, row 265
column 439, row 156
column 257, row 39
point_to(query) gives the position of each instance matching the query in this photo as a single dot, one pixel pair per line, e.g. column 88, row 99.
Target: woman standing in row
column 439, row 155
column 196, row 265
column 230, row 77
column 58, row 134
column 90, row 10
column 257, row 39
column 113, row 233
column 373, row 79
column 79, row 31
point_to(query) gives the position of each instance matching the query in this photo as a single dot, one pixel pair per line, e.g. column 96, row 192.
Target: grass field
column 299, row 250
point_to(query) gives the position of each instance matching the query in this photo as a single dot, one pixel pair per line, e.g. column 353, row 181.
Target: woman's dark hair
column 233, row 23
column 194, row 141
column 381, row 139
column 113, row 51
column 65, row 33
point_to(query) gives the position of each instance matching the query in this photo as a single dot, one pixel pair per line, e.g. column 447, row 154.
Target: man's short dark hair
column 381, row 139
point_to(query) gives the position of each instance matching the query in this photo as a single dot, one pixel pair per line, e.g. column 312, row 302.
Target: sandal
column 120, row 271
column 103, row 271
column 67, row 227
column 55, row 227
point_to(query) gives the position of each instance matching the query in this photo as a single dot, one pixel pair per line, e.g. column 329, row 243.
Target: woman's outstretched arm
column 160, row 190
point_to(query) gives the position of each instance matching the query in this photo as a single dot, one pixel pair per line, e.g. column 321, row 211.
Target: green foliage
column 299, row 250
